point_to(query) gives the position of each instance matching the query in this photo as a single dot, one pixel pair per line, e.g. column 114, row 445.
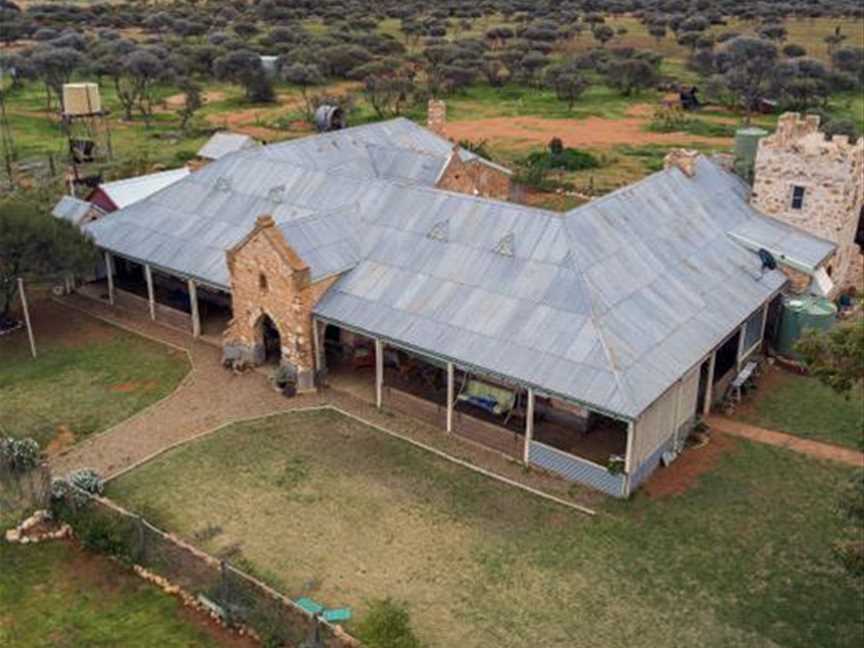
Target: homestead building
column 382, row 259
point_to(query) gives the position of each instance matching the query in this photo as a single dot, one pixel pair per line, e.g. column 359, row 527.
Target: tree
column 658, row 31
column 567, row 81
column 802, row 83
column 143, row 69
column 388, row 94
column 631, row 75
column 603, row 34
column 747, row 65
column 244, row 68
column 36, row 246
column 304, row 76
column 836, row 357
column 192, row 100
column 850, row 60
column 55, row 66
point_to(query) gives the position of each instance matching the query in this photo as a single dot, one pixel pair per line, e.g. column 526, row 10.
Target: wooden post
column 709, row 388
column 148, row 275
column 677, row 414
column 450, row 394
column 316, row 343
column 529, row 425
column 26, row 310
column 379, row 373
column 193, row 302
column 628, row 455
column 741, row 333
column 109, row 271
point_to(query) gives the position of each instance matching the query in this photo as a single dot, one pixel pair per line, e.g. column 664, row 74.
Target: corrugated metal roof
column 124, row 193
column 73, row 209
column 789, row 244
column 221, row 144
column 607, row 305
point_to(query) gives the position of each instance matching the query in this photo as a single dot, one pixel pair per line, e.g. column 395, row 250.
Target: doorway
column 271, row 341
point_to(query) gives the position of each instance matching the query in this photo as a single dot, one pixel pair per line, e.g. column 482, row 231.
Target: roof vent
column 276, row 194
column 506, row 246
column 223, row 183
column 440, row 231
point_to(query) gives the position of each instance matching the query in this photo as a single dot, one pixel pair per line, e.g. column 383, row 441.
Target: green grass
column 805, row 407
column 322, row 505
column 53, row 594
column 85, row 384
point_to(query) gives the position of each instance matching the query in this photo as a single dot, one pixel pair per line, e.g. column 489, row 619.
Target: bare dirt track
column 593, row 132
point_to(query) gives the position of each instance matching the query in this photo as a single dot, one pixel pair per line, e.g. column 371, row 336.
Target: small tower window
column 262, row 282
column 797, row 197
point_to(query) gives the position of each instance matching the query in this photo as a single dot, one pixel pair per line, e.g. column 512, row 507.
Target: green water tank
column 746, row 145
column 800, row 313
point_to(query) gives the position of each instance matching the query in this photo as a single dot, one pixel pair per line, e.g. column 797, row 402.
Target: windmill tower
column 86, row 127
column 7, row 143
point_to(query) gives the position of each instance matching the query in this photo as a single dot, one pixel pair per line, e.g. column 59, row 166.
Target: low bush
column 387, row 624
column 88, row 481
column 565, row 159
column 18, row 455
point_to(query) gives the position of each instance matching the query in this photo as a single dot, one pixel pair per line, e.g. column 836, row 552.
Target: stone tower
column 817, row 185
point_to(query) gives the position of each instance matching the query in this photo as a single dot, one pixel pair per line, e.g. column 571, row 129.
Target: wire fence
column 22, row 491
column 236, row 596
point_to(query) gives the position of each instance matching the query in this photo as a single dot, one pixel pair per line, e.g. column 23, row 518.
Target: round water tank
column 801, row 313
column 329, row 118
column 746, row 145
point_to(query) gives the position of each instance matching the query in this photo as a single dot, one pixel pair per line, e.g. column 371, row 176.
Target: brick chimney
column 684, row 159
column 436, row 117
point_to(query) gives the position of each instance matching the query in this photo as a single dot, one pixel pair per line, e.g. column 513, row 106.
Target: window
column 797, row 197
column 262, row 282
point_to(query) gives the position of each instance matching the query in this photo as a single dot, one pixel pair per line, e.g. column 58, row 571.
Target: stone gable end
column 268, row 279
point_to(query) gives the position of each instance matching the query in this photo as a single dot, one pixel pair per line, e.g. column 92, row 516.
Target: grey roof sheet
column 131, row 190
column 222, row 144
column 607, row 305
column 72, row 209
column 789, row 244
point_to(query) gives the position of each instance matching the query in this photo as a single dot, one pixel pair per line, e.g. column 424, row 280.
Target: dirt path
column 815, row 449
column 593, row 132
column 210, row 397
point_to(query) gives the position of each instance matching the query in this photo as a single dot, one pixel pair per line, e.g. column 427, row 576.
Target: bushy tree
column 632, row 74
column 568, row 82
column 55, row 66
column 836, row 357
column 747, row 66
column 305, row 76
column 244, row 68
column 37, row 247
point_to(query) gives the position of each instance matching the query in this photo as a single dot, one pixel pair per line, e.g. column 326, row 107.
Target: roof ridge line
column 626, row 394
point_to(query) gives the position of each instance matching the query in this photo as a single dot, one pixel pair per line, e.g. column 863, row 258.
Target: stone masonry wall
column 832, row 174
column 474, row 178
column 267, row 280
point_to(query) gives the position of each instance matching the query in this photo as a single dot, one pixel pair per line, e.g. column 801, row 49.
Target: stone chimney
column 265, row 220
column 436, row 117
column 684, row 159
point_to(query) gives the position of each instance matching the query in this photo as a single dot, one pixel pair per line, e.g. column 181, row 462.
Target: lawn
column 322, row 505
column 54, row 594
column 87, row 377
column 803, row 406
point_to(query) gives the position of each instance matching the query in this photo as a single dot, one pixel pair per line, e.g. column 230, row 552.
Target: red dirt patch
column 593, row 132
column 695, row 461
column 65, row 439
column 129, row 387
column 58, row 325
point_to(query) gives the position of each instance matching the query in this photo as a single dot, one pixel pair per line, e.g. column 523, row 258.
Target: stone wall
column 832, row 175
column 474, row 178
column 269, row 279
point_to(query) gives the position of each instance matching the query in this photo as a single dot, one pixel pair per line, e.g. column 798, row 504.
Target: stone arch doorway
column 269, row 340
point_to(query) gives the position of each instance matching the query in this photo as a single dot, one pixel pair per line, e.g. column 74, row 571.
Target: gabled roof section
column 221, row 144
column 124, row 193
column 74, row 210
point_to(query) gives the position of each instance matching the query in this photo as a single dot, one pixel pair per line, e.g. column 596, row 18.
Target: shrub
column 18, row 455
column 566, row 159
column 387, row 625
column 88, row 481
